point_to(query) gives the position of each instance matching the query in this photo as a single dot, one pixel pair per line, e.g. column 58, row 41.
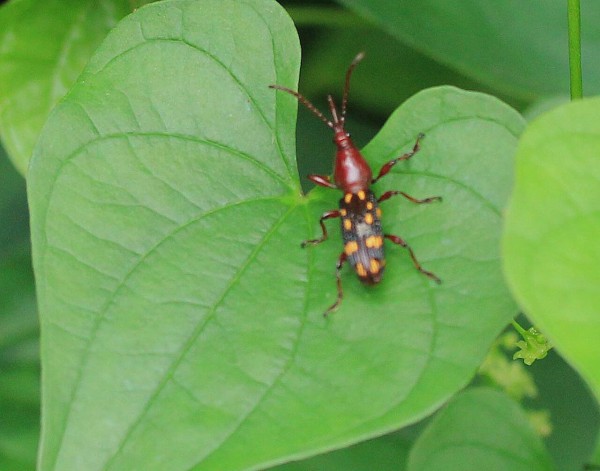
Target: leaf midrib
column 196, row 332
column 100, row 314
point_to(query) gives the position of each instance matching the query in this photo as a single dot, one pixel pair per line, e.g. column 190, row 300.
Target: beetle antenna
column 360, row 56
column 333, row 110
column 305, row 102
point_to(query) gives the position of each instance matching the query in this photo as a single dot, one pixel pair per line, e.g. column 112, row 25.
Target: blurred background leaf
column 44, row 45
column 480, row 426
column 386, row 453
column 551, row 254
column 518, row 48
column 19, row 345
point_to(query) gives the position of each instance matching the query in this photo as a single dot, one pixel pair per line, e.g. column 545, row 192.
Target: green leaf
column 519, row 48
column 19, row 430
column 14, row 230
column 552, row 228
column 480, row 429
column 573, row 412
column 390, row 73
column 19, row 368
column 387, row 453
column 182, row 322
column 595, row 460
column 44, row 45
column 19, row 346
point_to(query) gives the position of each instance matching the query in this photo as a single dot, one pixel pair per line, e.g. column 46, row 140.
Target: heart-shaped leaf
column 182, row 322
column 44, row 45
column 480, row 429
column 552, row 232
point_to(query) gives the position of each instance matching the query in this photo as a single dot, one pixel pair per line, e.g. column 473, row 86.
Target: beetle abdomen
column 362, row 235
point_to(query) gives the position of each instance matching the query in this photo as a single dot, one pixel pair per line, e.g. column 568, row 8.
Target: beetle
column 358, row 209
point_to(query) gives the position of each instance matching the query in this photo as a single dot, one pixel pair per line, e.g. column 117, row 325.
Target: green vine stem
column 518, row 328
column 574, row 16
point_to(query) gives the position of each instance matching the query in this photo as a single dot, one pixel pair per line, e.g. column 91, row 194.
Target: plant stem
column 574, row 15
column 518, row 328
column 324, row 16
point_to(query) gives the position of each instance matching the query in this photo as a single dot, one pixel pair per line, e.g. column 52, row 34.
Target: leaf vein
column 284, row 370
column 235, row 78
column 169, row 374
column 99, row 318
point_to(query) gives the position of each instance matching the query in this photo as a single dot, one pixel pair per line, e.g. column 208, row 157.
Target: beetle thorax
column 351, row 173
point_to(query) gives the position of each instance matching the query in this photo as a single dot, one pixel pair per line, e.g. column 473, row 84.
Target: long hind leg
column 401, row 242
column 340, row 291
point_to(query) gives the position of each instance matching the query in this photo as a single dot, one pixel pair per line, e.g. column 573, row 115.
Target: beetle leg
column 388, row 194
column 340, row 291
column 387, row 167
column 399, row 241
column 322, row 180
column 327, row 215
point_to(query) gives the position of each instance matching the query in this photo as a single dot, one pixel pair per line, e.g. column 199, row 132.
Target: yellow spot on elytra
column 343, row 212
column 347, row 224
column 350, row 247
column 374, row 241
column 360, row 269
column 361, row 195
column 348, row 197
column 369, row 218
column 378, row 212
column 369, row 205
column 374, row 265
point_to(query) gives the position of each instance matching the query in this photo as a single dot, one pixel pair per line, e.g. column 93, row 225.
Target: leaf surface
column 386, row 453
column 182, row 323
column 44, row 45
column 552, row 228
column 19, row 368
column 480, row 429
column 519, row 48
